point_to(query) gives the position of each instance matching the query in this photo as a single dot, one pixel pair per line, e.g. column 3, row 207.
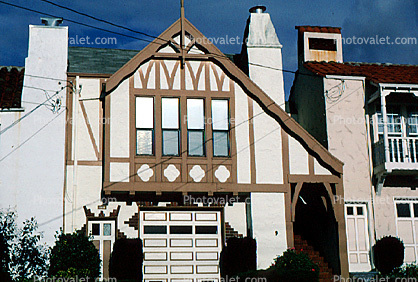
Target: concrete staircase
column 302, row 246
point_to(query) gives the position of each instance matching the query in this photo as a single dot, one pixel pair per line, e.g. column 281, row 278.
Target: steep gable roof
column 211, row 52
column 377, row 73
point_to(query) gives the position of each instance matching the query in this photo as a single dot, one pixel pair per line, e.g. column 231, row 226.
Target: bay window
column 144, row 125
column 170, row 126
column 195, row 127
column 220, row 128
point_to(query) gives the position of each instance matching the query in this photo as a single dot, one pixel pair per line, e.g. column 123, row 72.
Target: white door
column 358, row 237
column 181, row 245
column 407, row 227
column 104, row 232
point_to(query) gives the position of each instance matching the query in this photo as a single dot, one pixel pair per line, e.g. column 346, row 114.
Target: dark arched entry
column 315, row 222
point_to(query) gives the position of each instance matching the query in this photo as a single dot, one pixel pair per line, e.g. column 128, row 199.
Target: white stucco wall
column 119, row 121
column 32, row 152
column 237, row 218
column 347, row 135
column 269, row 226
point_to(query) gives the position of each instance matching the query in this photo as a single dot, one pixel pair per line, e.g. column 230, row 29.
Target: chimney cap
column 258, row 9
column 50, row 21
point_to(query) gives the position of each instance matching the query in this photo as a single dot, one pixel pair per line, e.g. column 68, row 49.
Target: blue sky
column 359, row 18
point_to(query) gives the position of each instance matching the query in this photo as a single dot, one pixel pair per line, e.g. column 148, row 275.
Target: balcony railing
column 402, row 150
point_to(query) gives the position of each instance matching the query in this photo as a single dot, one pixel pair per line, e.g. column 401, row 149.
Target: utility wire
column 135, row 31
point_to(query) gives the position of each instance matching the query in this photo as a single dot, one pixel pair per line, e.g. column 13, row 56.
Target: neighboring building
column 32, row 130
column 180, row 147
column 367, row 116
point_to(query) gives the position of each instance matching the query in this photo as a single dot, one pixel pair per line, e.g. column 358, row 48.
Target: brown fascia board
column 250, row 88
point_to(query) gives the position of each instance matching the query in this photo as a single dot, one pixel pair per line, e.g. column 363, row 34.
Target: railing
column 401, row 150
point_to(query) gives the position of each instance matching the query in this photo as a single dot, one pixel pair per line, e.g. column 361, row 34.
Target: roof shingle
column 378, row 73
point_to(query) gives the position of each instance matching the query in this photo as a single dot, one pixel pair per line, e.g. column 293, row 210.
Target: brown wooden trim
column 132, row 131
column 295, row 178
column 193, row 187
column 106, row 171
column 88, row 75
column 250, row 87
column 285, row 156
column 233, row 139
column 295, row 199
column 311, row 165
column 252, row 140
column 89, row 130
column 179, row 92
column 288, row 216
column 339, row 215
column 86, row 163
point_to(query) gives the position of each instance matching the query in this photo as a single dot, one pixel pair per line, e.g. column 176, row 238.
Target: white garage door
column 181, row 245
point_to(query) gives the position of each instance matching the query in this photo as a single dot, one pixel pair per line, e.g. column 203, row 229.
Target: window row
column 179, row 229
column 171, row 131
column 401, row 121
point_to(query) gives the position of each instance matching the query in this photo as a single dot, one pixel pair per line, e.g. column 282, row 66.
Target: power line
column 132, row 30
column 30, row 112
column 98, row 19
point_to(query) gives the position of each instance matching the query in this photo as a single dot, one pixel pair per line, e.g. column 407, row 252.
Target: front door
column 358, row 237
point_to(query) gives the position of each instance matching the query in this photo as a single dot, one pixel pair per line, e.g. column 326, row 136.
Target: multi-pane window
column 412, row 121
column 220, row 128
column 394, row 121
column 195, row 127
column 170, row 126
column 144, row 125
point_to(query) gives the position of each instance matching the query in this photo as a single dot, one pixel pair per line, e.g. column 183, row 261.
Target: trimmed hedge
column 238, row 256
column 126, row 260
column 74, row 255
column 388, row 254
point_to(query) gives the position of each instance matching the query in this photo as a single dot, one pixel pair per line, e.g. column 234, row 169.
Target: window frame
column 152, row 130
column 203, row 131
column 227, row 131
column 178, row 130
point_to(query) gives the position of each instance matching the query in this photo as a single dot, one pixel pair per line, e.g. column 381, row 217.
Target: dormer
column 321, row 44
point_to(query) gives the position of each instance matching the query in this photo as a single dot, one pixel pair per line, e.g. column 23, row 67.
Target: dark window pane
column 155, row 229
column 95, row 229
column 325, row 44
column 416, row 210
column 403, row 210
column 359, row 210
column 180, row 230
column 170, row 142
column 220, row 144
column 206, row 230
column 196, row 143
column 350, row 211
column 144, row 142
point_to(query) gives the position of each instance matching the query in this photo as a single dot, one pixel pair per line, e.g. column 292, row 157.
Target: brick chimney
column 316, row 43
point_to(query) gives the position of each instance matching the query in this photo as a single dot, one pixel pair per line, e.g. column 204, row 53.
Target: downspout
column 75, row 156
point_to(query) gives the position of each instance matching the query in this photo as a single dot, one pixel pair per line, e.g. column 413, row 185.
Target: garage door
column 181, row 245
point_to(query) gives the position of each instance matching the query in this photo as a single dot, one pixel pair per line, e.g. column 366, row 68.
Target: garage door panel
column 181, row 245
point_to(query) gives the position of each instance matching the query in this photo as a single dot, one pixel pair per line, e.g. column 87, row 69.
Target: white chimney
column 264, row 54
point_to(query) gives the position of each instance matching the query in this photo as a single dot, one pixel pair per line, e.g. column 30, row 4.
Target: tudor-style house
column 366, row 115
column 183, row 147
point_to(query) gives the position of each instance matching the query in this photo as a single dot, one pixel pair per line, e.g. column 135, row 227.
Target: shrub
column 126, row 260
column 388, row 254
column 295, row 267
column 22, row 257
column 74, row 255
column 238, row 256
